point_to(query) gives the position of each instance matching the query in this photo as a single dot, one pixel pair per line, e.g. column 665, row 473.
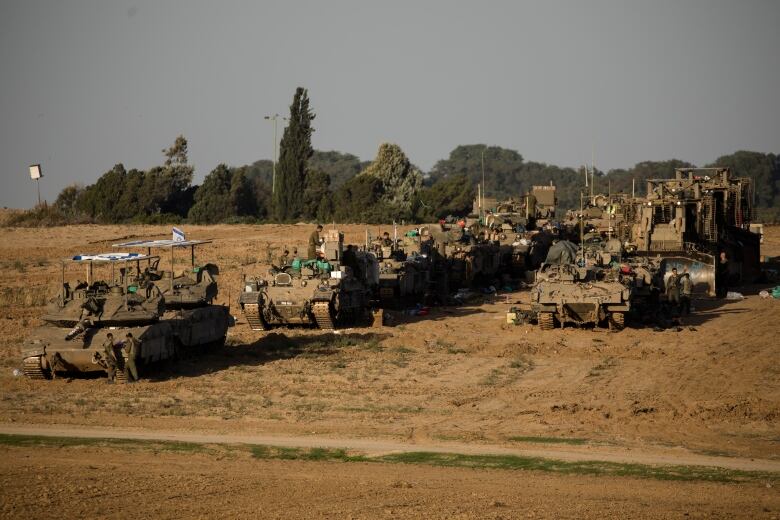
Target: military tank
column 333, row 290
column 77, row 320
column 405, row 268
column 566, row 293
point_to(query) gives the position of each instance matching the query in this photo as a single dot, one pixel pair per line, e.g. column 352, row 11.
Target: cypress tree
column 295, row 150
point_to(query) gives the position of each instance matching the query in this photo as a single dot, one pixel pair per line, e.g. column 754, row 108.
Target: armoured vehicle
column 532, row 210
column 689, row 220
column 565, row 293
column 78, row 318
column 609, row 215
column 405, row 268
column 193, row 287
column 332, row 290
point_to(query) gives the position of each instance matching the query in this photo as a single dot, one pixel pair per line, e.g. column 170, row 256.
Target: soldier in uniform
column 350, row 259
column 386, row 240
column 284, row 258
column 722, row 275
column 673, row 289
column 314, row 242
column 131, row 347
column 109, row 357
column 686, row 290
column 89, row 308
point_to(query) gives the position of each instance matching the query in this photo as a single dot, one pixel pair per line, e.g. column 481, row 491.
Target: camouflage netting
column 401, row 179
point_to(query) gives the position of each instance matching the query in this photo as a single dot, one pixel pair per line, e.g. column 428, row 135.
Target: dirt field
column 102, row 483
column 458, row 377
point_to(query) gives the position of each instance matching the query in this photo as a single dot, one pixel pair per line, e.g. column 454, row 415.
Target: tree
column 67, row 200
column 340, row 167
column 502, row 167
column 317, row 203
column 128, row 206
column 98, row 201
column 452, row 195
column 401, row 180
column 242, row 197
column 224, row 195
column 360, row 200
column 295, row 150
column 212, row 199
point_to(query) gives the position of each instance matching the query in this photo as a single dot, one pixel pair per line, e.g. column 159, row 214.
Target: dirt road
column 95, row 482
column 373, row 447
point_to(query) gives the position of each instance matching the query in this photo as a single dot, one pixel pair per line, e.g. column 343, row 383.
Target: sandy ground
column 460, row 375
column 102, row 483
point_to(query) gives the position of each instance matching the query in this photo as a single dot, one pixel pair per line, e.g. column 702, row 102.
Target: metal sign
column 35, row 171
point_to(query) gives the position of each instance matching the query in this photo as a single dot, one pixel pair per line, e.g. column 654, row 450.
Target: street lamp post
column 273, row 178
column 274, row 118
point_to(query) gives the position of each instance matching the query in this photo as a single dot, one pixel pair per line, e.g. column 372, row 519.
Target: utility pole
column 274, row 118
column 483, row 180
column 36, row 174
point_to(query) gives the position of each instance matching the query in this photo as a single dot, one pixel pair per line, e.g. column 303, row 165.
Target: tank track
column 253, row 317
column 32, row 368
column 617, row 320
column 323, row 316
column 546, row 321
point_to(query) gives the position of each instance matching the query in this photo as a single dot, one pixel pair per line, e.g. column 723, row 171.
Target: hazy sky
column 87, row 84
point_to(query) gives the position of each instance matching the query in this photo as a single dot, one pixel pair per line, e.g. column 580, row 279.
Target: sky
column 86, row 84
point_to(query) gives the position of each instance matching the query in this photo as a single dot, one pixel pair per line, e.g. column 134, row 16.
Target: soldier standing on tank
column 686, row 291
column 314, row 242
column 131, row 347
column 386, row 240
column 110, row 357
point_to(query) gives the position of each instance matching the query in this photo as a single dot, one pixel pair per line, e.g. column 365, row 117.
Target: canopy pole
column 171, row 271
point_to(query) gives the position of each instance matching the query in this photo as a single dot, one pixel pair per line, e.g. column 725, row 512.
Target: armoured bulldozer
column 78, row 319
column 333, row 290
column 689, row 220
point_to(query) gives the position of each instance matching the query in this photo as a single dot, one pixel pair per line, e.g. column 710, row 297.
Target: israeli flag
column 178, row 235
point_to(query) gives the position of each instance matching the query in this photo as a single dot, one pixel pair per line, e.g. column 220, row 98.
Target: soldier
column 314, row 242
column 686, row 290
column 673, row 289
column 284, row 258
column 386, row 240
column 110, row 357
column 89, row 308
column 722, row 275
column 350, row 259
column 131, row 347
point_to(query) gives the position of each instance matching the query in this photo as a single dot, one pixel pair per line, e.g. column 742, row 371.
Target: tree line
column 312, row 185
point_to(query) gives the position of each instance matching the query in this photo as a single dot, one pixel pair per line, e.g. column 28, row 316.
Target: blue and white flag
column 178, row 235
